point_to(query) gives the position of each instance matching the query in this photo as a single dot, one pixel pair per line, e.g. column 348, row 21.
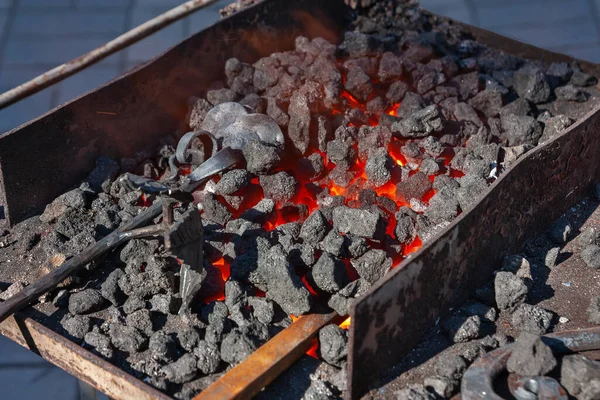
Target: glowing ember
column 346, row 323
column 312, row 351
column 222, row 266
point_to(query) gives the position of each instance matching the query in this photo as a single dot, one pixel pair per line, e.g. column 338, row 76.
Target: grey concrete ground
column 36, row 35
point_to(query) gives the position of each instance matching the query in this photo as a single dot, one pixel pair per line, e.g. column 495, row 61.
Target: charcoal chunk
column 262, row 309
column 329, row 274
column 232, row 181
column 163, row 347
column 570, row 93
column 451, row 366
column 530, row 356
column 260, row 158
column 219, row 96
column 333, row 344
column 464, row 112
column 358, row 83
column 461, row 329
column 127, row 338
column 100, row 343
column 420, row 123
column 415, row 187
column 132, row 304
column 467, row 85
column 299, row 124
column 405, row 230
column 532, row 319
column 489, row 102
column 209, row 357
column 396, row 92
column 390, row 68
column 284, row 286
column 363, row 223
column 315, row 228
column 530, row 83
column 85, row 302
column 214, row 210
column 73, row 199
column 183, row 370
column 239, row 344
column 188, row 338
column 110, row 289
column 576, row 374
column 358, row 44
column 558, row 73
column 198, row 108
column 554, row 126
column 510, row 291
column 443, row 207
column 442, row 386
column 379, row 167
column 280, row 187
column 261, row 212
column 519, row 130
column 580, row 78
column 77, row 326
column 334, row 243
column 141, row 320
column 372, row 265
column 591, row 256
column 312, row 166
column 411, row 103
column 471, row 187
column 103, row 175
column 341, row 153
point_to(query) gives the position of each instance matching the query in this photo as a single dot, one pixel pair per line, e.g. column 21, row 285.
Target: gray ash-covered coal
column 386, row 137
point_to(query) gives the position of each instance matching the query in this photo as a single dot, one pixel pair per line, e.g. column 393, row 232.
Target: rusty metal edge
column 360, row 372
column 75, row 360
column 270, row 360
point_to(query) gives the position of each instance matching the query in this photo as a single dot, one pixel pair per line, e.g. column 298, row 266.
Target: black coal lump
column 262, row 309
column 510, row 291
column 232, row 181
column 443, row 207
column 127, row 338
column 314, row 228
column 341, row 153
column 558, row 73
column 532, row 319
column 520, row 130
column 461, row 329
column 141, row 320
column 209, row 357
column 163, row 347
column 280, row 187
column 416, row 391
column 188, row 338
column 136, row 251
column 571, row 93
column 467, row 84
column 183, row 370
column 85, row 302
column 333, row 344
column 100, row 343
column 390, row 68
column 411, row 103
column 284, row 286
column 133, row 303
column 260, row 158
column 358, row 83
column 358, row 44
column 334, row 243
column 74, row 223
column 299, row 124
column 260, row 213
column 213, row 312
column 312, row 166
column 357, row 246
column 396, row 92
column 77, row 325
column 530, row 83
column 405, row 229
column 240, row 343
column 420, row 123
column 561, row 230
column 591, row 256
column 429, row 167
column 72, row 199
column 489, row 102
column 554, row 126
column 329, row 273
column 379, row 167
column 580, row 78
column 218, row 96
column 110, row 289
column 165, row 303
column 415, row 187
column 198, row 108
column 580, row 376
column 372, row 265
column 214, row 210
column 530, row 356
column 363, row 223
column 471, row 187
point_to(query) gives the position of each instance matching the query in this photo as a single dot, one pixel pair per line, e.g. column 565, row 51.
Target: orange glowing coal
column 312, row 351
column 346, row 323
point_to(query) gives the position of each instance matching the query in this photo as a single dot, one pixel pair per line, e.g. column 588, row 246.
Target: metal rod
column 65, row 70
column 220, row 162
column 248, row 378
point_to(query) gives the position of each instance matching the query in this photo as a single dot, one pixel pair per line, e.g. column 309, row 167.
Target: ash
column 389, row 136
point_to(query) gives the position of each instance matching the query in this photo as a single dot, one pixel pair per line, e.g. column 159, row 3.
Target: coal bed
column 354, row 155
